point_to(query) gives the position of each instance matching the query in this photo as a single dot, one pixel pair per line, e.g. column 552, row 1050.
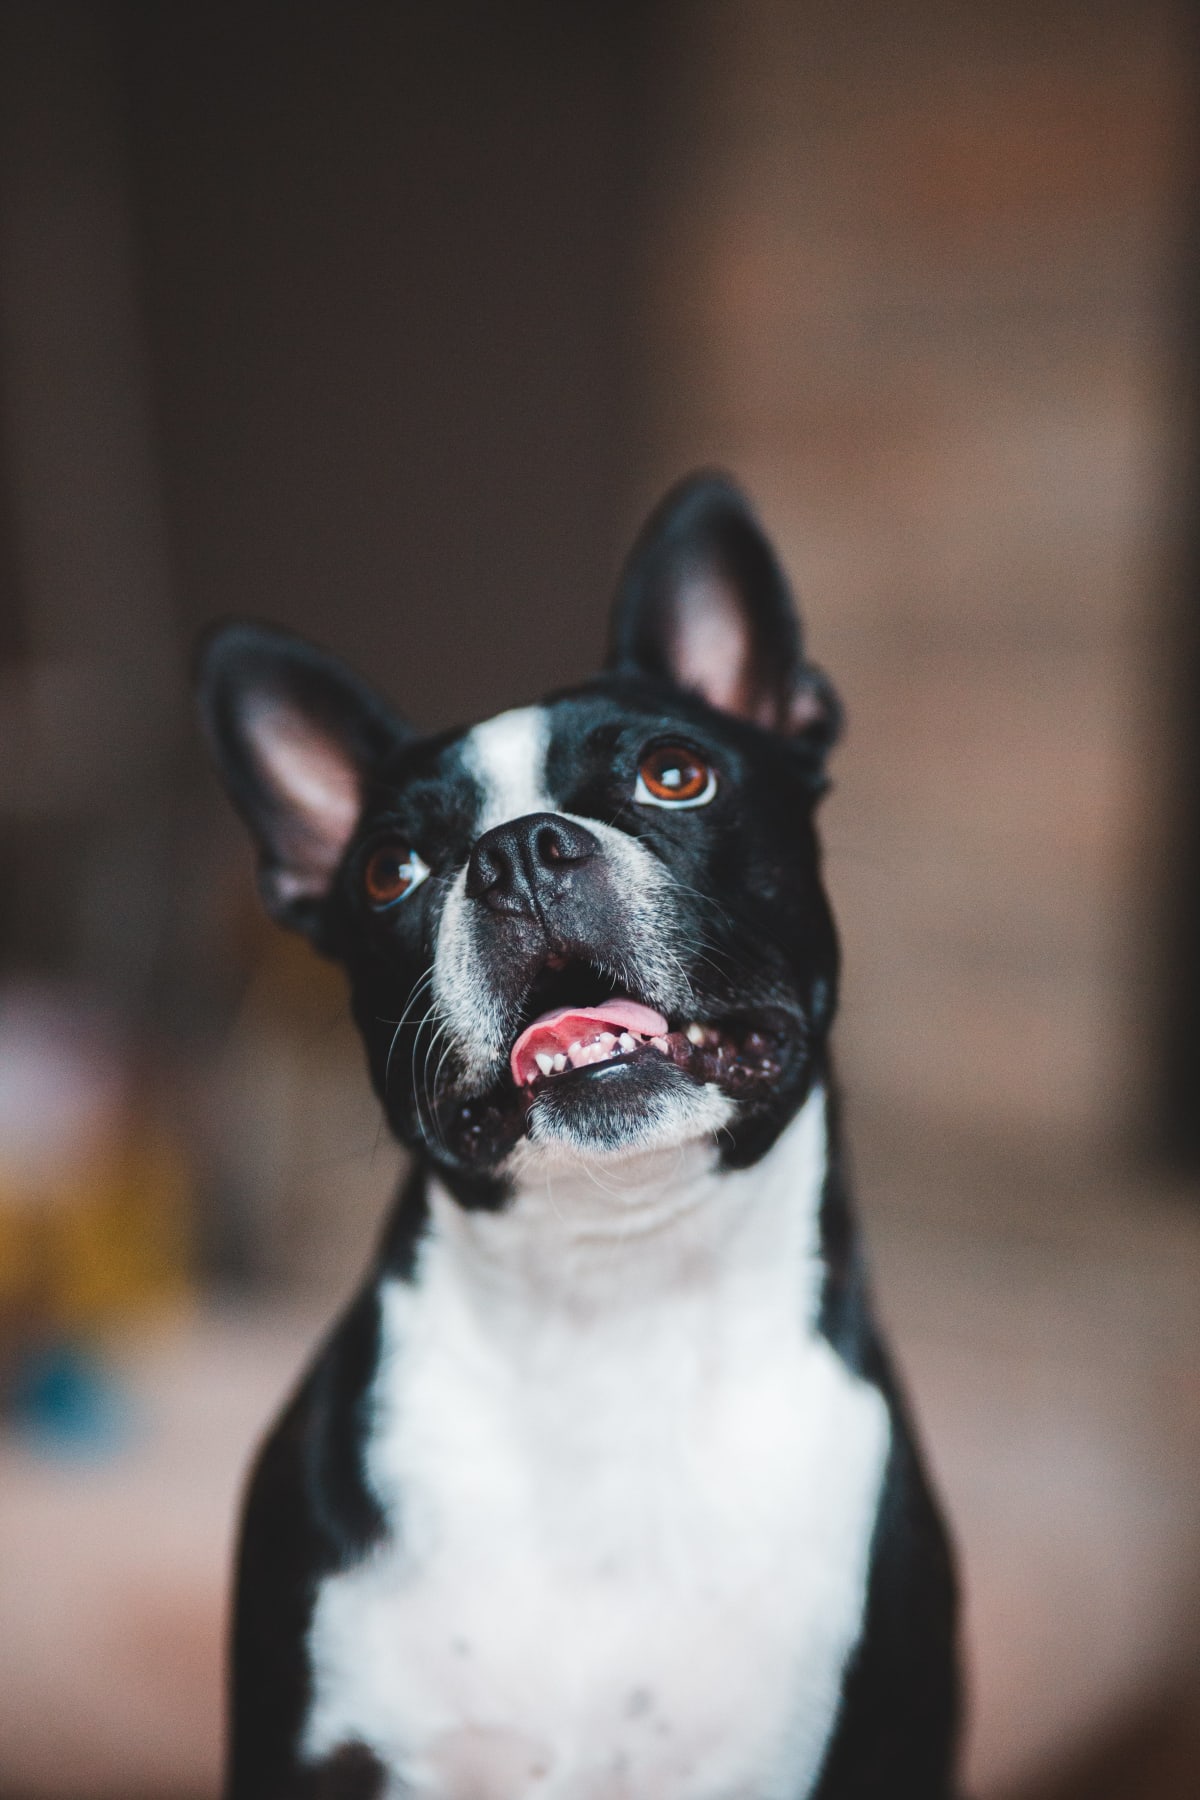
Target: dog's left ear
column 703, row 602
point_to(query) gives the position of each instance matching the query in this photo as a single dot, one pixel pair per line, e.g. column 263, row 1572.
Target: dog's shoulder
column 310, row 1513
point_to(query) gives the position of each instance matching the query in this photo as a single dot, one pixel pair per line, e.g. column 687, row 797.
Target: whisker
column 426, row 1118
column 421, row 987
column 432, row 1095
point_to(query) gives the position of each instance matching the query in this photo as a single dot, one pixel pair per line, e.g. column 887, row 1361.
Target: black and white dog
column 602, row 1488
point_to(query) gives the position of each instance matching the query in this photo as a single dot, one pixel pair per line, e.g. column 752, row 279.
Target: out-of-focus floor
column 1050, row 1333
column 1053, row 1350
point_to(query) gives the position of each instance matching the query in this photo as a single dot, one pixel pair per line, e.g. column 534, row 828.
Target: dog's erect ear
column 703, row 602
column 295, row 736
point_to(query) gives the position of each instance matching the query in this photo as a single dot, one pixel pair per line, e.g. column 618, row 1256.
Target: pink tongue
column 555, row 1032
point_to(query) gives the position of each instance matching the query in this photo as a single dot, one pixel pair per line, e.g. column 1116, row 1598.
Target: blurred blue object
column 65, row 1400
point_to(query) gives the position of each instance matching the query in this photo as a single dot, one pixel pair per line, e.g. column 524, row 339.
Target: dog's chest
column 630, row 1542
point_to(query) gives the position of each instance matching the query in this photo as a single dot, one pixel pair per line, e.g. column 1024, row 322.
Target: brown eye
column 673, row 776
column 392, row 872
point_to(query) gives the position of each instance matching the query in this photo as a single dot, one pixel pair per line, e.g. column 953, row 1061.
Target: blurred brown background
column 389, row 323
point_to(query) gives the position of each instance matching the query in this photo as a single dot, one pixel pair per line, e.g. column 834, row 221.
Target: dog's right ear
column 295, row 736
column 703, row 602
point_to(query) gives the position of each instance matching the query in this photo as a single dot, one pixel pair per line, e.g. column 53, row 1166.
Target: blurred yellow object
column 109, row 1237
column 94, row 1191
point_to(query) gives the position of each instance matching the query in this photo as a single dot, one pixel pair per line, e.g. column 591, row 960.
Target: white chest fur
column 632, row 1492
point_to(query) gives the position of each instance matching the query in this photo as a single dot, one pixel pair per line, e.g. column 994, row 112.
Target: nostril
column 558, row 841
column 485, row 870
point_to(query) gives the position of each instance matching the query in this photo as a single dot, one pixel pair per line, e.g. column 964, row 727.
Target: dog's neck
column 608, row 1238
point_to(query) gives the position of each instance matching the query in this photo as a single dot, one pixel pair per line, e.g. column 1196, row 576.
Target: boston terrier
column 602, row 1488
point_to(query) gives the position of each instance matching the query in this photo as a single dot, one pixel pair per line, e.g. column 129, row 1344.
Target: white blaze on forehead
column 507, row 757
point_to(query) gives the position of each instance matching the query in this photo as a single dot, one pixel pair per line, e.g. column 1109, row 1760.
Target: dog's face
column 589, row 927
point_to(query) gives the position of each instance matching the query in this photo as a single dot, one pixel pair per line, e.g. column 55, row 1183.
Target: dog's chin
column 624, row 1108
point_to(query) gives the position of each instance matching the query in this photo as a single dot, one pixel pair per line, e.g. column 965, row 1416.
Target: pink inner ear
column 807, row 708
column 315, row 785
column 712, row 650
column 710, row 643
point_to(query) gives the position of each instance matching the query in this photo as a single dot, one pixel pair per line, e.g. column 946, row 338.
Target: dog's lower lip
column 591, row 1071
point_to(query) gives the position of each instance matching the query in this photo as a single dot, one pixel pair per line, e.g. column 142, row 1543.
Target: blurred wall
column 88, row 664
column 918, row 277
column 389, row 283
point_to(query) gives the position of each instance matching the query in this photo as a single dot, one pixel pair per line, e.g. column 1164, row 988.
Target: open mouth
column 599, row 1062
column 591, row 1030
column 581, row 1037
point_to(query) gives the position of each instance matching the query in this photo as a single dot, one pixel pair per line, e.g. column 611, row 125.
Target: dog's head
column 594, row 926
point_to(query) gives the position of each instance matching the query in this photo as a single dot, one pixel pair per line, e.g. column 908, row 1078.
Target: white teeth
column 660, row 1043
column 602, row 1048
column 696, row 1034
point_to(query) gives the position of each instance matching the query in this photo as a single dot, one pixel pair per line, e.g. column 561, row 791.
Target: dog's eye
column 392, row 872
column 673, row 776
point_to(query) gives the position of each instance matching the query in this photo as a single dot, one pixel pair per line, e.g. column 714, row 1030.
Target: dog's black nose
column 524, row 865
